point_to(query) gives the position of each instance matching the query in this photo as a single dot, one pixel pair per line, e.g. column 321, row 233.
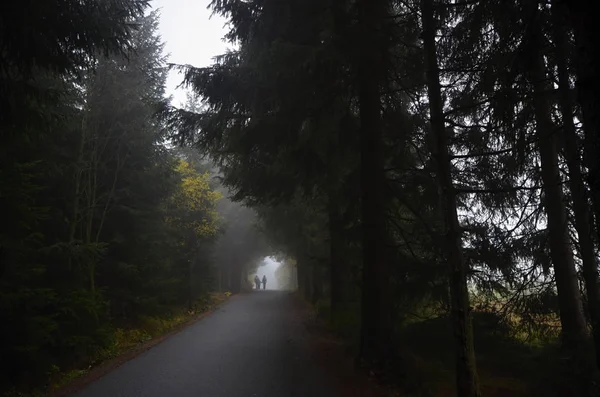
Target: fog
column 268, row 268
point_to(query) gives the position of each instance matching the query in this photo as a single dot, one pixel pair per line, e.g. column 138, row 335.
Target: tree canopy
column 439, row 142
column 426, row 172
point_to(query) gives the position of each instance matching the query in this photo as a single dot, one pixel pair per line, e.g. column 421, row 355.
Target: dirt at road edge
column 331, row 353
column 110, row 365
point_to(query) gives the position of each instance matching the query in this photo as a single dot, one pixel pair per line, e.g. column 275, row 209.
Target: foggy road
column 252, row 346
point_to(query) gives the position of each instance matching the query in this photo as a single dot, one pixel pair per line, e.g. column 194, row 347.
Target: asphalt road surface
column 254, row 345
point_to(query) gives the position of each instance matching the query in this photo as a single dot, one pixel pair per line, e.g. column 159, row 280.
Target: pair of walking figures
column 257, row 282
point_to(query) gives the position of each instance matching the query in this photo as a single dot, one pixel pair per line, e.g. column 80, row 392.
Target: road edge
column 331, row 352
column 110, row 365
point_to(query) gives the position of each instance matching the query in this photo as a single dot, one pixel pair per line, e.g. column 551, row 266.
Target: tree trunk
column 301, row 271
column 79, row 169
column 295, row 285
column 576, row 184
column 317, row 284
column 467, row 382
column 339, row 272
column 573, row 323
column 571, row 312
column 191, row 283
column 236, row 278
column 220, row 277
column 376, row 327
column 583, row 19
column 309, row 283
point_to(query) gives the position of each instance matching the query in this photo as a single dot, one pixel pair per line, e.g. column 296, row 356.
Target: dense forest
column 105, row 225
column 426, row 171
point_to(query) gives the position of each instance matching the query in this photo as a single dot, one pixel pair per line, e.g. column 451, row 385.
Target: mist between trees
column 109, row 236
column 426, row 172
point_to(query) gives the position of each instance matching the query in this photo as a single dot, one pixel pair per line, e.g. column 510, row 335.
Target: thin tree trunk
column 376, row 327
column 295, row 285
column 572, row 319
column 467, row 381
column 78, row 178
column 576, row 184
column 301, row 271
column 228, row 278
column 583, row 19
column 111, row 193
column 92, row 184
column 574, row 327
column 317, row 283
column 193, row 247
column 309, row 277
column 339, row 272
column 91, row 206
column 191, row 283
column 91, row 190
column 220, row 277
column 236, row 278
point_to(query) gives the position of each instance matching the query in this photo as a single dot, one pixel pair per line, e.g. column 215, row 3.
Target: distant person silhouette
column 264, row 282
column 257, row 282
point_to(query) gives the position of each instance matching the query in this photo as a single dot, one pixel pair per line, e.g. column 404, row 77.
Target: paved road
column 253, row 346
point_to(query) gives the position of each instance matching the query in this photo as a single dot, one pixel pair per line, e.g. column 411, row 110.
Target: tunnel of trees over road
column 426, row 171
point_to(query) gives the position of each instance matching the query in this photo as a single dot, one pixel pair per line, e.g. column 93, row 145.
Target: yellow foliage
column 196, row 198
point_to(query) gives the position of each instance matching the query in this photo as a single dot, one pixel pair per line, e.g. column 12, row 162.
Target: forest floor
column 338, row 358
column 423, row 363
column 426, row 363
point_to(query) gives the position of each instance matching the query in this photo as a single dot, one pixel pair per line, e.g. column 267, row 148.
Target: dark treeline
column 430, row 170
column 426, row 170
column 107, row 235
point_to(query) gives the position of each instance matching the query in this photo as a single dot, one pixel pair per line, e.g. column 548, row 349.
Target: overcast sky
column 191, row 35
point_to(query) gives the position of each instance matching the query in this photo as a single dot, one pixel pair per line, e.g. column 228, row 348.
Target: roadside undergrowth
column 126, row 340
column 423, row 364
